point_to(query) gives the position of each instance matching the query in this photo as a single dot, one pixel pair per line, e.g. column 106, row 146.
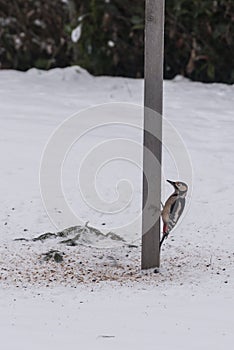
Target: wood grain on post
column 154, row 53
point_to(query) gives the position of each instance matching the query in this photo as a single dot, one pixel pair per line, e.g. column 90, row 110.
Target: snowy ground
column 97, row 296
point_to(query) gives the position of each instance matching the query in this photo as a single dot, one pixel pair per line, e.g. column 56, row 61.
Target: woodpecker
column 173, row 207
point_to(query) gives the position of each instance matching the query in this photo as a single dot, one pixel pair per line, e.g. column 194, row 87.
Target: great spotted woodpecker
column 173, row 207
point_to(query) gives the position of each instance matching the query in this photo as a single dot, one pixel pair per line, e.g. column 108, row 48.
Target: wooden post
column 154, row 53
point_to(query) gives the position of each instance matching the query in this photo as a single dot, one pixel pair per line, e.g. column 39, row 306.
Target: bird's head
column 179, row 186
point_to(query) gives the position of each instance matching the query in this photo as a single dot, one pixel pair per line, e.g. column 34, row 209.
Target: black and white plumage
column 173, row 207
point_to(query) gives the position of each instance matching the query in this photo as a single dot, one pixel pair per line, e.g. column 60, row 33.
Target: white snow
column 76, row 34
column 111, row 43
column 98, row 297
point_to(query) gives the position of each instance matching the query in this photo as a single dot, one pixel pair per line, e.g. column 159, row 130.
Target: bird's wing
column 176, row 210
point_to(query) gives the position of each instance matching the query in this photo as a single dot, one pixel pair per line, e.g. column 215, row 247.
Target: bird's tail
column 165, row 235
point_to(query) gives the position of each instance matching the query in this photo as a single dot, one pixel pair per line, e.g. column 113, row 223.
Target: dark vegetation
column 199, row 41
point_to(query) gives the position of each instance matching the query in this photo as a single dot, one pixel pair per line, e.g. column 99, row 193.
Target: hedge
column 108, row 37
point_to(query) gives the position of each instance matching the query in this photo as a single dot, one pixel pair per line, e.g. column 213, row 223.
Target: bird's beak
column 171, row 182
